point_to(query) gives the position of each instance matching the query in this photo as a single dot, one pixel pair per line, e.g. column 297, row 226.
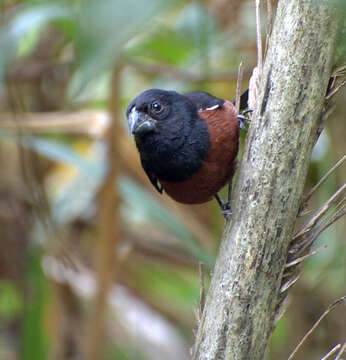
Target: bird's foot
column 225, row 207
column 243, row 119
column 226, row 212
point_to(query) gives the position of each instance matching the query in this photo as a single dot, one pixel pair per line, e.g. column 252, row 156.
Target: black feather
column 244, row 97
column 153, row 179
column 204, row 100
column 181, row 141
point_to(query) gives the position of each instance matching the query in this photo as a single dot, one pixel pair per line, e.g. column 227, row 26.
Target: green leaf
column 164, row 45
column 178, row 288
column 33, row 335
column 26, row 20
column 60, row 152
column 10, row 300
column 122, row 351
column 105, row 27
column 196, row 24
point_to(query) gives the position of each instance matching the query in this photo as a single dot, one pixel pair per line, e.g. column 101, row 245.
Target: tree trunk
column 241, row 305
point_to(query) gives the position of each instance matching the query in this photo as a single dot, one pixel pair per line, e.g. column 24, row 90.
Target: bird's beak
column 140, row 123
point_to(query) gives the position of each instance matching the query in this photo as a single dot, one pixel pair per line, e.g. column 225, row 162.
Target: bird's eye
column 156, row 107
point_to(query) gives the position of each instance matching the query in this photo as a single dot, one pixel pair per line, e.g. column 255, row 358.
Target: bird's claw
column 225, row 207
column 243, row 120
column 226, row 213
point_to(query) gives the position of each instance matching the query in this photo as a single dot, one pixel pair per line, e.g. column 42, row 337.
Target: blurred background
column 94, row 264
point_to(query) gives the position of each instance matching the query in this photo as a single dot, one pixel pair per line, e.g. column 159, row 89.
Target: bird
column 188, row 143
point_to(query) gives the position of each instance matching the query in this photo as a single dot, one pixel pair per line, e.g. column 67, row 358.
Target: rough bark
column 241, row 304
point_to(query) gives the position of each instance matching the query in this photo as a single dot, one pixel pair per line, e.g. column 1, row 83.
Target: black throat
column 174, row 154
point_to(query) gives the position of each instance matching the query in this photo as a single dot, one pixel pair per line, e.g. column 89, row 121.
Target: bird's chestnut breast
column 218, row 166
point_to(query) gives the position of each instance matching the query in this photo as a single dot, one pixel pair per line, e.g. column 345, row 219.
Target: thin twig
column 331, row 352
column 310, row 193
column 335, row 89
column 270, row 24
column 332, row 89
column 320, row 212
column 329, row 309
column 238, row 89
column 201, row 289
column 303, row 212
column 310, row 239
column 338, row 356
column 259, row 39
column 302, row 258
column 289, row 283
column 339, row 71
column 336, row 216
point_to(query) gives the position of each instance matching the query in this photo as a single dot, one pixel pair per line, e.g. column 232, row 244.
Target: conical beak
column 140, row 123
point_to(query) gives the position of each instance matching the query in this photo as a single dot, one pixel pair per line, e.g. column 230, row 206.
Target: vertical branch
column 241, row 304
column 109, row 229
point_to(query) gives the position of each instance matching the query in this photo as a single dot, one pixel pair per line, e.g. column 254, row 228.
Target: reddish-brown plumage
column 220, row 164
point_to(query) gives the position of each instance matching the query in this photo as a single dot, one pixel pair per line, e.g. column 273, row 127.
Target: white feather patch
column 213, row 107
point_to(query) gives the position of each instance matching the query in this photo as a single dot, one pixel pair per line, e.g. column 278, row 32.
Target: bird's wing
column 204, row 101
column 152, row 178
column 244, row 97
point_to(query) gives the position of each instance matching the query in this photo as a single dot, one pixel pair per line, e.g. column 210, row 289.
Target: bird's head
column 158, row 112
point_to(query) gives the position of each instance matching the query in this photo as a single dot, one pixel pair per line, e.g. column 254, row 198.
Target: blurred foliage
column 10, row 300
column 33, row 331
column 57, row 61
